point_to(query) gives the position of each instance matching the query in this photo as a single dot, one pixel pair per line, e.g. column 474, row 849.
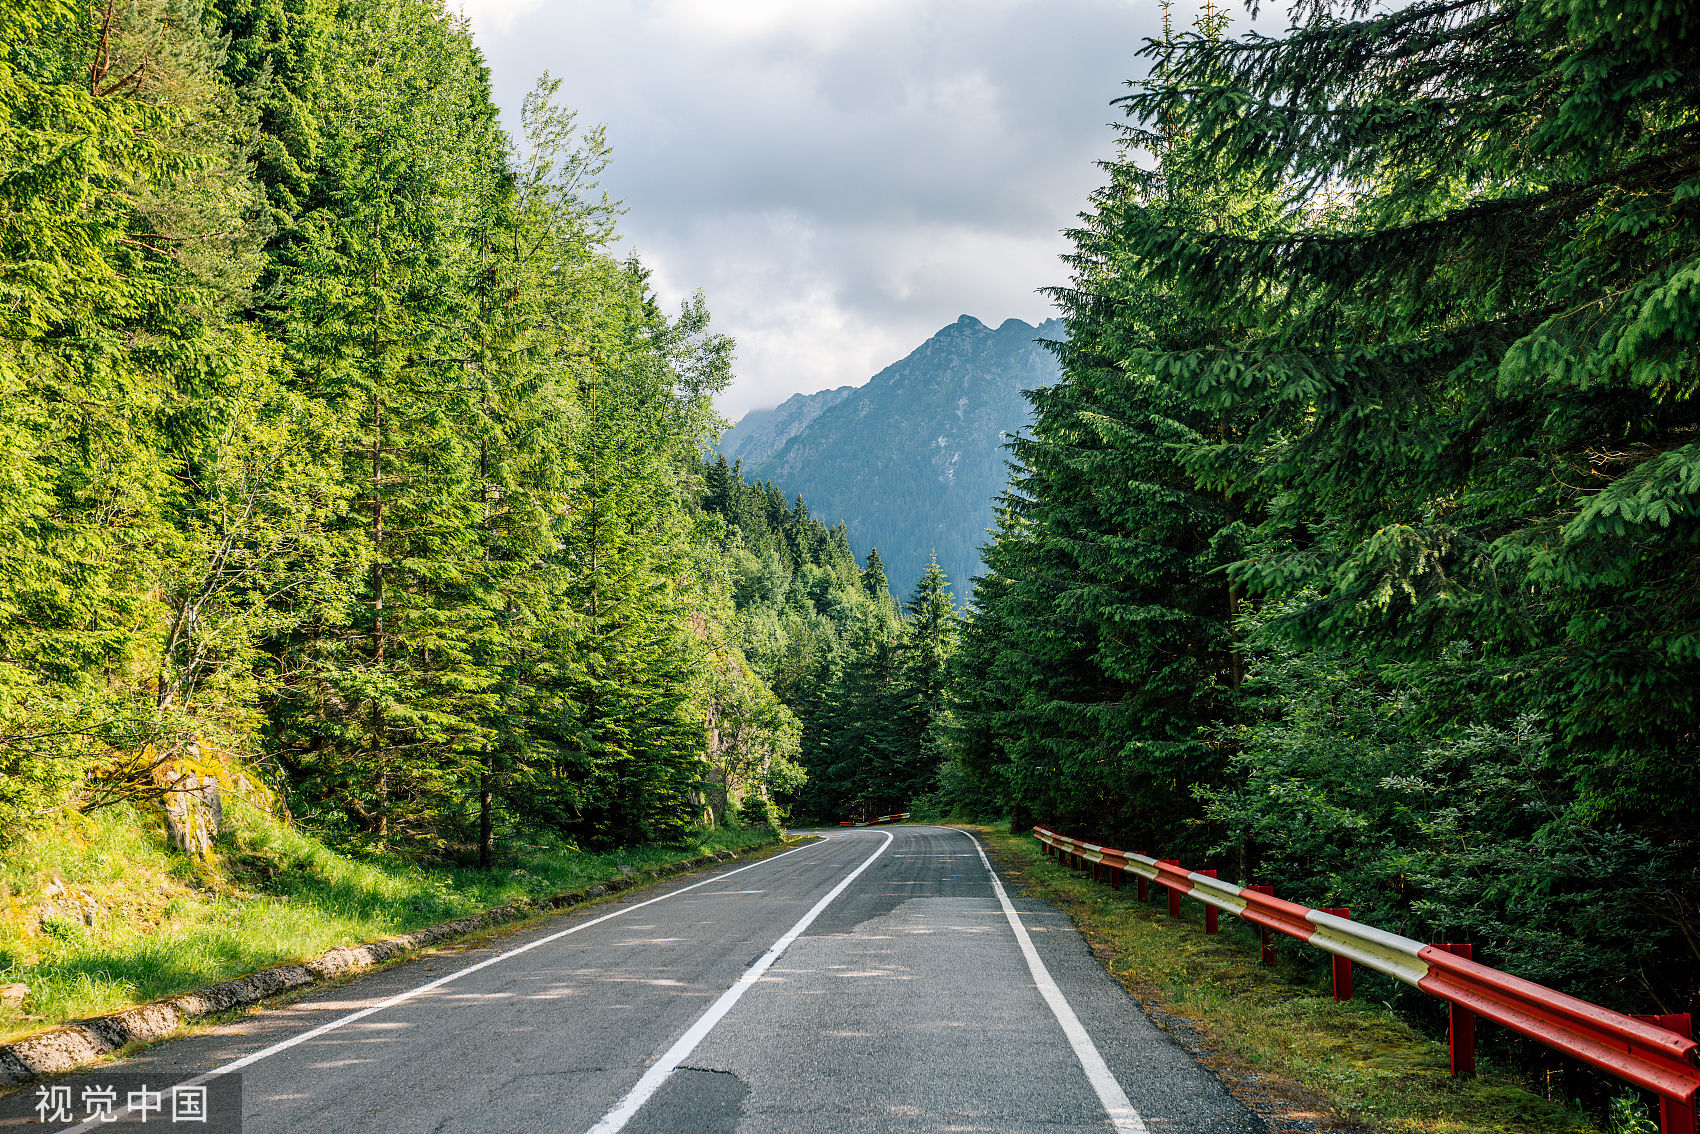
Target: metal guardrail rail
column 1654, row 1053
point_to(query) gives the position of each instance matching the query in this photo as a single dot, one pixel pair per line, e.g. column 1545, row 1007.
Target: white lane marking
column 652, row 1079
column 314, row 1033
column 1122, row 1115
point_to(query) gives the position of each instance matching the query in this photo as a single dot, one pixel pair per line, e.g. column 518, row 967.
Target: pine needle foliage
column 1383, row 331
column 864, row 678
column 335, row 433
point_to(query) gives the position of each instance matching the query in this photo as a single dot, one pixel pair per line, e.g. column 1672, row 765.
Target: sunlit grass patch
column 98, row 915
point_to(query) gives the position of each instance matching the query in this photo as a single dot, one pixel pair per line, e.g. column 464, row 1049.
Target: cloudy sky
column 841, row 177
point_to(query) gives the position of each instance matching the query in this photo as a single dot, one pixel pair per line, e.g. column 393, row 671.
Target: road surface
column 880, row 979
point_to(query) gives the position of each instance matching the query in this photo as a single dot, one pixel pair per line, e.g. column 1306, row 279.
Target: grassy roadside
column 98, row 915
column 1301, row 1060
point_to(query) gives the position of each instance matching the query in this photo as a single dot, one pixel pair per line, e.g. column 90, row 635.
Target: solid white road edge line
column 652, row 1079
column 1122, row 1115
column 314, row 1033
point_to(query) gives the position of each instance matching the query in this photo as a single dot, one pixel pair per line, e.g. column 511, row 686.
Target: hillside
column 913, row 461
column 761, row 433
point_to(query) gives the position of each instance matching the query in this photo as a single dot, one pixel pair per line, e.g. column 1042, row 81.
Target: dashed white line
column 331, row 1026
column 616, row 1119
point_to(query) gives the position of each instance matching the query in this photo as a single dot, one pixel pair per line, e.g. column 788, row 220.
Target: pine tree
column 1113, row 602
column 384, row 710
column 873, row 577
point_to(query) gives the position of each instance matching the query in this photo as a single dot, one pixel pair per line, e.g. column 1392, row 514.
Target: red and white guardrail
column 874, row 822
column 1654, row 1053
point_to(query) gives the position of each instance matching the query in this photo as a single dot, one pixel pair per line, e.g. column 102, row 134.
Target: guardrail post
column 1342, row 966
column 1142, row 888
column 1212, row 921
column 1265, row 938
column 1174, row 894
column 1115, row 877
column 1461, row 1023
column 1674, row 1117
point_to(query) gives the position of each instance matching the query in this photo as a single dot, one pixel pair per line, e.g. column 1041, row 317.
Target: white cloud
column 492, row 18
column 841, row 177
column 819, row 24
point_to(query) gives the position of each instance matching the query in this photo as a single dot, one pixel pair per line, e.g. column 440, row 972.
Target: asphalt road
column 876, row 980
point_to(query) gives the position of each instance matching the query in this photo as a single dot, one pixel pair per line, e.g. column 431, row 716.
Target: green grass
column 1353, row 1065
column 161, row 925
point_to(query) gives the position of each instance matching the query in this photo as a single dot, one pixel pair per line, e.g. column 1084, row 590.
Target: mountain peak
column 914, row 460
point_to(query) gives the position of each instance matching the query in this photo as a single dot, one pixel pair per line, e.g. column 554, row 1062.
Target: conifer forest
column 1356, row 547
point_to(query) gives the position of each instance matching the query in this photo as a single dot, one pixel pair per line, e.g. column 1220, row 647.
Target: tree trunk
column 486, row 818
column 1236, row 653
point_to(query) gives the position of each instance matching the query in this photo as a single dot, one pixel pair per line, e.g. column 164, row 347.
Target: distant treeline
column 864, row 676
column 333, row 434
column 1358, row 549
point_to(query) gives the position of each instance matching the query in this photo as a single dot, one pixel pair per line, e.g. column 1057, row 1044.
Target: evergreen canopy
column 1379, row 388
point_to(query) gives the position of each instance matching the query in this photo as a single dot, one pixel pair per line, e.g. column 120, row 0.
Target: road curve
column 875, row 980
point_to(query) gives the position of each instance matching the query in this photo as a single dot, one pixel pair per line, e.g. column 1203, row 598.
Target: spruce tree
column 383, row 712
column 1454, row 354
column 127, row 239
column 1112, row 599
column 988, row 675
column 928, row 642
column 873, row 578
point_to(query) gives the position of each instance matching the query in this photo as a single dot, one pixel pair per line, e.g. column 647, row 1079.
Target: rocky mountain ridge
column 913, row 461
column 761, row 433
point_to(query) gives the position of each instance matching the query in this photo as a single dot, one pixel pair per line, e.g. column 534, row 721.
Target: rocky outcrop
column 66, row 1048
column 61, row 904
column 194, row 811
column 192, row 789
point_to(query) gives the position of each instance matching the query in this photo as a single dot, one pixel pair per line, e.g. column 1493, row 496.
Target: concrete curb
column 74, row 1045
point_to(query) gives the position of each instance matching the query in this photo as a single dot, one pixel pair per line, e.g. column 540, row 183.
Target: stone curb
column 74, row 1045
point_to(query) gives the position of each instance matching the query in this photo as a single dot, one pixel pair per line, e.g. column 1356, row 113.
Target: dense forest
column 334, row 434
column 1356, row 550
column 864, row 677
